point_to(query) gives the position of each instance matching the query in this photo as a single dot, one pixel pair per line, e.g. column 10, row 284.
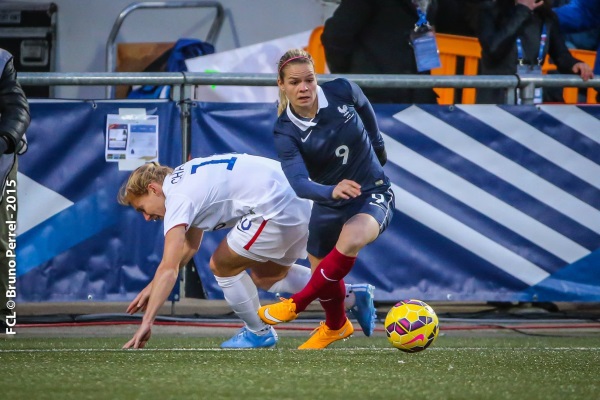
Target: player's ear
column 154, row 188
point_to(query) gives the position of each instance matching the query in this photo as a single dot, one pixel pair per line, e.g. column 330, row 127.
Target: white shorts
column 281, row 239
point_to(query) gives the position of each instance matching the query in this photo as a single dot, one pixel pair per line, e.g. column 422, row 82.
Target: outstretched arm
column 367, row 115
column 193, row 238
column 296, row 172
column 162, row 284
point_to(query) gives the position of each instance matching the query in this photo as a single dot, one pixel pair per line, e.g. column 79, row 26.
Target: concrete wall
column 84, row 27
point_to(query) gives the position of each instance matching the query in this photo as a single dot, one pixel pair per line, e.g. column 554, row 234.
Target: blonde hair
column 293, row 56
column 138, row 181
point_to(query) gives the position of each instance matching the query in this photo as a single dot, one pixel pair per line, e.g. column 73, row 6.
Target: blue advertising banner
column 495, row 203
column 75, row 241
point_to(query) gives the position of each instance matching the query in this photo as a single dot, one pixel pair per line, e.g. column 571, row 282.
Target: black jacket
column 14, row 117
column 14, row 108
column 373, row 37
column 499, row 28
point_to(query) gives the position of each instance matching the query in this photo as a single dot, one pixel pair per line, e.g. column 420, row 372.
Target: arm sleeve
column 341, row 32
column 558, row 50
column 579, row 15
column 180, row 211
column 14, row 109
column 367, row 115
column 296, row 172
column 497, row 41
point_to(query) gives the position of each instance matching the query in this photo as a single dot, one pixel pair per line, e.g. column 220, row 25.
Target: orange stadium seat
column 316, row 50
column 451, row 47
column 570, row 94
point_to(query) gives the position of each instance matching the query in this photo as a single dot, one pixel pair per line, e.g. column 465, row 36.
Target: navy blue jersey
column 337, row 144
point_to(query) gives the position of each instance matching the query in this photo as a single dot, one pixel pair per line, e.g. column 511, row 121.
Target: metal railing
column 182, row 84
column 527, row 84
column 211, row 37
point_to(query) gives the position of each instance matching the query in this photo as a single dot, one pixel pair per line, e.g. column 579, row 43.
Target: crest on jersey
column 345, row 112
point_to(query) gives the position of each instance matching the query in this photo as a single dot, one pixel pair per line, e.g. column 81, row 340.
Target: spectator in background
column 515, row 37
column 374, row 37
column 14, row 120
column 578, row 16
column 579, row 23
column 457, row 17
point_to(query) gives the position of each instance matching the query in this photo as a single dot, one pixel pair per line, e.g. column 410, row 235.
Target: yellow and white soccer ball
column 411, row 325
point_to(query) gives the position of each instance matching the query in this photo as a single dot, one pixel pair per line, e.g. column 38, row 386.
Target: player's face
column 151, row 205
column 300, row 86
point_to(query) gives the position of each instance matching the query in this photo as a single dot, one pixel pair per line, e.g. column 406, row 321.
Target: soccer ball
column 411, row 326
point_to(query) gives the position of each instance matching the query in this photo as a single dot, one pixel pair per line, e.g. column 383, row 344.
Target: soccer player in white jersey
column 270, row 229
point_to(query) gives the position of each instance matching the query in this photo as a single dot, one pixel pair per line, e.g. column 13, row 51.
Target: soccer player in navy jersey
column 332, row 152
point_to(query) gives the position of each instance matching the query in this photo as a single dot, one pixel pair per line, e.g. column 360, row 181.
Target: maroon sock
column 325, row 280
column 335, row 311
column 336, row 265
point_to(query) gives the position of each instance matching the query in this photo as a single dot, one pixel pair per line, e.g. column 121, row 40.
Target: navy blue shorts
column 326, row 222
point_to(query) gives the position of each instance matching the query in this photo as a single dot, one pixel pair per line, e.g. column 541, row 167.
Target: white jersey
column 216, row 192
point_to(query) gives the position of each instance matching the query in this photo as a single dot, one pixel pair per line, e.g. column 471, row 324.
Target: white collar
column 304, row 125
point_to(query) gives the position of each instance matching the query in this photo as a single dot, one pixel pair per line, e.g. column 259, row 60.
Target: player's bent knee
column 264, row 281
column 220, row 269
column 350, row 245
column 354, row 238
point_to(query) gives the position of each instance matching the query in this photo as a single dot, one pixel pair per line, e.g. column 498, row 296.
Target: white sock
column 242, row 296
column 350, row 298
column 297, row 277
column 295, row 280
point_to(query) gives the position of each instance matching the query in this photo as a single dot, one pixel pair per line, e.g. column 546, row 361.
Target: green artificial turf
column 517, row 367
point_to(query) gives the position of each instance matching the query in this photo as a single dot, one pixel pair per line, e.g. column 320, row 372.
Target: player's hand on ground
column 583, row 70
column 140, row 338
column 346, row 189
column 141, row 301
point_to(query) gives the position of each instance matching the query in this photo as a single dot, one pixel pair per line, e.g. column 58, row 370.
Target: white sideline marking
column 334, row 349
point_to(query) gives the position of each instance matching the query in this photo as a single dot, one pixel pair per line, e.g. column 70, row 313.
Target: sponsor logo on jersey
column 304, row 139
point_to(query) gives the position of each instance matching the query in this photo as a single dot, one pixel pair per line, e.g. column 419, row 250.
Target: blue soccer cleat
column 364, row 309
column 245, row 339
